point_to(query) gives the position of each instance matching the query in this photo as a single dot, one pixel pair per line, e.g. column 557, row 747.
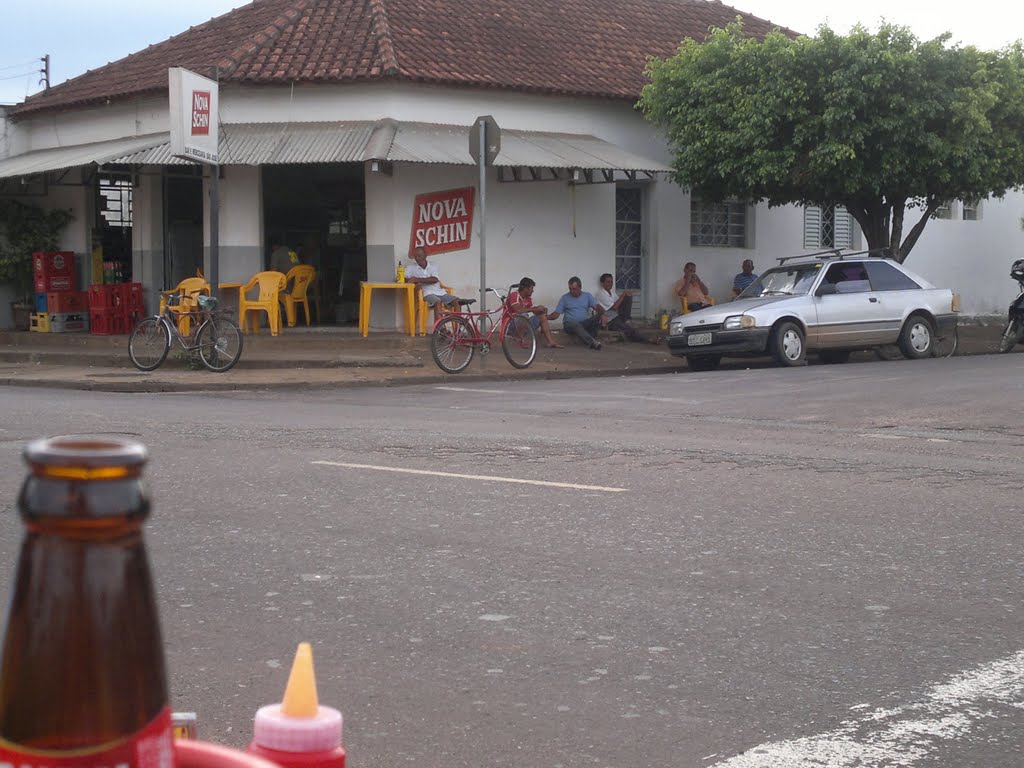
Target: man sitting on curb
column 521, row 303
column 618, row 311
column 576, row 306
column 425, row 275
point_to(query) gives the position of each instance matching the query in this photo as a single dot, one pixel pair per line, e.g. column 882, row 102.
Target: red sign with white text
column 442, row 221
column 200, row 113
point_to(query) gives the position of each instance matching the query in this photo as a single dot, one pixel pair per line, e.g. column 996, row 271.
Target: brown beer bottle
column 82, row 680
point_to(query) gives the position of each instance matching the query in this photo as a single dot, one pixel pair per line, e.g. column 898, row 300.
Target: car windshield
column 791, row 280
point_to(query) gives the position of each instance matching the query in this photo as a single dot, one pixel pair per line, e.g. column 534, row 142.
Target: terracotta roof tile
column 576, row 47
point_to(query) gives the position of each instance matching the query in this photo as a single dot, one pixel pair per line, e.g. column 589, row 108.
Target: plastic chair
column 301, row 277
column 685, row 305
column 422, row 309
column 269, row 300
column 188, row 288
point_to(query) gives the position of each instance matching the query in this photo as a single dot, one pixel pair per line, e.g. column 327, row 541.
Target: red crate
column 130, row 294
column 104, row 296
column 53, row 283
column 54, row 264
column 67, row 301
column 108, row 322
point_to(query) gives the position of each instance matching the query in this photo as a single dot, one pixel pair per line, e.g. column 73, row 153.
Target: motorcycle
column 1014, row 332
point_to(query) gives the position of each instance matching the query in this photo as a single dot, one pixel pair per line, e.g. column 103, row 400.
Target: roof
column 59, row 158
column 356, row 141
column 576, row 47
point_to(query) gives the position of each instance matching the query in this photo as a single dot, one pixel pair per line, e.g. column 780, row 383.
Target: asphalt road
column 806, row 567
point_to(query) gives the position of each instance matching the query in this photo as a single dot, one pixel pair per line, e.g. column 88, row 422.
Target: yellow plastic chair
column 685, row 305
column 301, row 278
column 270, row 284
column 423, row 309
column 188, row 288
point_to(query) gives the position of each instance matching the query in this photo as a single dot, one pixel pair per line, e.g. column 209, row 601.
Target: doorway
column 183, row 228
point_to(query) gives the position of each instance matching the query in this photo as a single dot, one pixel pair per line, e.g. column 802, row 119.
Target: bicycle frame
column 474, row 320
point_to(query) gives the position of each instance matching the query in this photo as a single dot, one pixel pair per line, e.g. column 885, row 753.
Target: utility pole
column 45, row 72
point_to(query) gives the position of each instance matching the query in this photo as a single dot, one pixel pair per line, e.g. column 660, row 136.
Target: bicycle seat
column 466, row 302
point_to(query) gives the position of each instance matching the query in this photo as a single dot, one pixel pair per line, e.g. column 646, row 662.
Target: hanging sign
column 442, row 221
column 193, row 102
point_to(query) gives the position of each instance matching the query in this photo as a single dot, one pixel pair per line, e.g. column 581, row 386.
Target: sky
column 84, row 34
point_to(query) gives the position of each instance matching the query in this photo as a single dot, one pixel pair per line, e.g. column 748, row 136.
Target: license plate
column 697, row 339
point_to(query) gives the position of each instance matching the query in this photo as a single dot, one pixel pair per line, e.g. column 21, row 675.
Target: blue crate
column 40, row 302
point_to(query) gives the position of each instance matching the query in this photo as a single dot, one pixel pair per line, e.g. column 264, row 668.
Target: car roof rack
column 833, row 253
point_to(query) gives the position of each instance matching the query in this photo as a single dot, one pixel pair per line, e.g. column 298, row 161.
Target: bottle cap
column 299, row 723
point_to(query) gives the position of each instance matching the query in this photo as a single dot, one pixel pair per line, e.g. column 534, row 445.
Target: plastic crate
column 39, row 322
column 40, row 302
column 131, row 295
column 108, row 322
column 105, row 296
column 53, row 271
column 67, row 301
column 52, row 283
column 74, row 323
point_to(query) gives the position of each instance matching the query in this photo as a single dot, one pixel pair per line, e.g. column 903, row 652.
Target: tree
column 878, row 122
column 25, row 229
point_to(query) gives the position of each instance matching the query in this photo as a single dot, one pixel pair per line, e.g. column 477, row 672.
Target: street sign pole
column 482, row 162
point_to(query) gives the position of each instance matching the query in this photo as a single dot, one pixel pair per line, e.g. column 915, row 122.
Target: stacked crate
column 60, row 308
column 114, row 308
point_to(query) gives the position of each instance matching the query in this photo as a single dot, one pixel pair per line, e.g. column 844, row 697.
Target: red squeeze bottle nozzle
column 298, row 732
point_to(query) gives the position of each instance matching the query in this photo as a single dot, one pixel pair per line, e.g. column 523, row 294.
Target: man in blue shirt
column 575, row 306
column 744, row 278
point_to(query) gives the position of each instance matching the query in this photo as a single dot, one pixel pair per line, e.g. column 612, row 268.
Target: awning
column 59, row 158
column 524, row 156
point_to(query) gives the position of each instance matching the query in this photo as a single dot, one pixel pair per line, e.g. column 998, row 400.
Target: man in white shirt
column 425, row 275
column 618, row 311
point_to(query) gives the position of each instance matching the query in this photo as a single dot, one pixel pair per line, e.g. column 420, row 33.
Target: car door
column 852, row 316
column 897, row 294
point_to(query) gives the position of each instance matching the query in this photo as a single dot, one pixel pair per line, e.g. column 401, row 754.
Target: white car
column 830, row 306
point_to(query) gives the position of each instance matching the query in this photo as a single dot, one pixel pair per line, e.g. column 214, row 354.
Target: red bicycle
column 456, row 336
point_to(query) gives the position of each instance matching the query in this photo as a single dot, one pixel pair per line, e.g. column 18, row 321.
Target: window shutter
column 812, row 226
column 844, row 228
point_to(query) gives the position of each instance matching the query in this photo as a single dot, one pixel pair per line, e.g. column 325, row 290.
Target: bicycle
column 217, row 339
column 456, row 336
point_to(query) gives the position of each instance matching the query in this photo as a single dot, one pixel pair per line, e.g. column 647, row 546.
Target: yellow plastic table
column 366, row 296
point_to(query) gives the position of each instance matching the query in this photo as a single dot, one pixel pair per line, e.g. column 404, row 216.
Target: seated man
column 693, row 288
column 520, row 302
column 618, row 311
column 744, row 278
column 425, row 275
column 576, row 306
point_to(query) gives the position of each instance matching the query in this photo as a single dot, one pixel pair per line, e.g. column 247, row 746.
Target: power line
column 15, row 77
column 15, row 66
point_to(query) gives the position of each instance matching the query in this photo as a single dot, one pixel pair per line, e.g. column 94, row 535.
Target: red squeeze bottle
column 82, row 679
column 298, row 732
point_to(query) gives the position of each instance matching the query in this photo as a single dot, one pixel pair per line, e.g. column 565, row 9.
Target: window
column 886, row 277
column 628, row 238
column 944, row 211
column 718, row 225
column 971, row 210
column 115, row 201
column 848, row 277
column 828, row 227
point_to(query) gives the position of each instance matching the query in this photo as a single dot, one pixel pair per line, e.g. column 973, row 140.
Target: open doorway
column 318, row 211
column 183, row 227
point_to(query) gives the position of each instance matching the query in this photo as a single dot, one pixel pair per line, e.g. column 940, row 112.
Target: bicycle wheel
column 149, row 343
column 451, row 344
column 219, row 343
column 519, row 342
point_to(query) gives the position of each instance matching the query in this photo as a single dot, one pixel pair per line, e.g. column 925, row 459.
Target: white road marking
column 486, row 478
column 904, row 735
column 578, row 395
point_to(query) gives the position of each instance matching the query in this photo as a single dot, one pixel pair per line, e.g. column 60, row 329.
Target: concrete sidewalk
column 332, row 358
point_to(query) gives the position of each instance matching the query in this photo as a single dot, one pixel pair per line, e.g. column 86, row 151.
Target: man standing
column 576, row 306
column 744, row 278
column 425, row 275
column 618, row 311
column 520, row 302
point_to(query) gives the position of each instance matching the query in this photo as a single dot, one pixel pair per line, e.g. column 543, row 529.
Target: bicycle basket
column 206, row 302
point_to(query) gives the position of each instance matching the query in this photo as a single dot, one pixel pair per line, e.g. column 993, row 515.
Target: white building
column 335, row 114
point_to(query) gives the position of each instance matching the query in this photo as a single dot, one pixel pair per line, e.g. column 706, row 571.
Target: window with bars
column 115, row 202
column 718, row 225
column 971, row 210
column 944, row 211
column 628, row 238
column 827, row 227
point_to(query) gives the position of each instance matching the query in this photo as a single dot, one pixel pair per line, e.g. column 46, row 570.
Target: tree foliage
column 25, row 229
column 879, row 122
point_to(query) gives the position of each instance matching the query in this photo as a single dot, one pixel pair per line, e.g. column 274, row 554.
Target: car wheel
column 916, row 338
column 701, row 363
column 834, row 356
column 787, row 345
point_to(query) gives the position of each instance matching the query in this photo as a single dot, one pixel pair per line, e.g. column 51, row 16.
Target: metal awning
column 524, row 156
column 59, row 158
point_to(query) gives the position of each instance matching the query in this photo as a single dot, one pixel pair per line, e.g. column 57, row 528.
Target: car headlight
column 675, row 329
column 735, row 322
